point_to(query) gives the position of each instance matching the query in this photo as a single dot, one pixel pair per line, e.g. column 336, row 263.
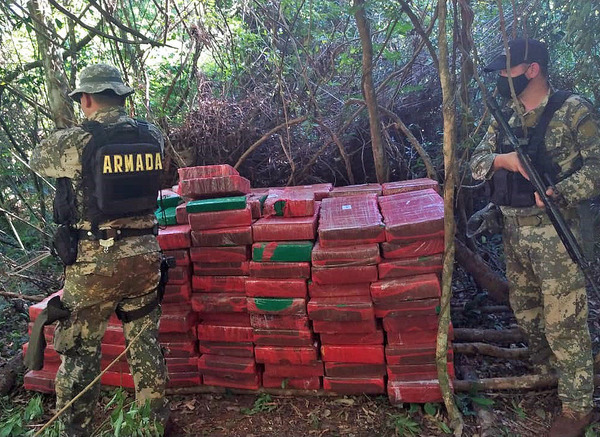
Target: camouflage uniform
column 547, row 290
column 125, row 276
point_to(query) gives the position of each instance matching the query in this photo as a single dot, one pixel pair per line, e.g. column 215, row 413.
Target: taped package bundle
column 289, row 203
column 355, row 190
column 390, row 188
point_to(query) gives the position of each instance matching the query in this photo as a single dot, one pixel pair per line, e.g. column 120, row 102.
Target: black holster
column 65, row 243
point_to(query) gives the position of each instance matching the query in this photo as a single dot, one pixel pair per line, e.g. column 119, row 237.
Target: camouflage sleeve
column 484, row 154
column 59, row 155
column 585, row 130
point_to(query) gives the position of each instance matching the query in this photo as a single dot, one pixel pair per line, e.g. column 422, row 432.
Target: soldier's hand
column 538, row 200
column 511, row 162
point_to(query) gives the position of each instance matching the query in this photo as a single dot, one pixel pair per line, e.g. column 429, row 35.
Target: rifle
column 556, row 217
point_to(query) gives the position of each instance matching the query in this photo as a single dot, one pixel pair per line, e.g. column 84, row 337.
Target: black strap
column 117, row 234
column 130, row 316
column 555, row 101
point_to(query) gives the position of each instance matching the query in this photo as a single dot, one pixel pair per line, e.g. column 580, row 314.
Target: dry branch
column 490, row 350
column 491, row 335
column 21, row 296
column 527, row 382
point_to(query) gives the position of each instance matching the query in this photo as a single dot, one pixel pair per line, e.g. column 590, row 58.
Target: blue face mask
column 519, row 83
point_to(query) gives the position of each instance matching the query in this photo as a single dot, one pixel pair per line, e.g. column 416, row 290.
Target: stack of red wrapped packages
column 344, row 264
column 277, row 289
column 406, row 297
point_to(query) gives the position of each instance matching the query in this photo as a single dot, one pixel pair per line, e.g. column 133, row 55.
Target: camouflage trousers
column 548, row 297
column 92, row 299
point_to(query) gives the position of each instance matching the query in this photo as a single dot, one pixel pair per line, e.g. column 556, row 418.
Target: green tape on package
column 218, row 204
column 169, row 201
column 293, row 251
column 166, row 216
column 273, row 305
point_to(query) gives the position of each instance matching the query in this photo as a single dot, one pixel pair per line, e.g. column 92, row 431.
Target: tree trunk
column 381, row 165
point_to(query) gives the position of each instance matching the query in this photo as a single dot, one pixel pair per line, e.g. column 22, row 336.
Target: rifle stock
column 554, row 214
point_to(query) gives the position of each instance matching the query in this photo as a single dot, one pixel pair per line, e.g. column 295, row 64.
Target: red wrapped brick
column 300, row 371
column 234, row 334
column 180, row 345
column 413, row 249
column 286, row 229
column 308, row 383
column 354, row 370
column 410, row 324
column 35, row 310
column 214, row 187
column 217, row 365
column 117, row 379
column 410, row 308
column 335, row 290
column 200, row 221
column 222, row 269
column 181, row 256
column 399, row 268
column 289, row 203
column 181, row 365
column 365, row 354
column 283, row 337
column 412, row 354
column 416, row 337
column 354, row 386
column 248, row 382
column 398, row 187
column 39, row 380
column 417, row 215
column 356, row 190
column 350, row 339
column 181, row 214
column 255, row 202
column 174, row 237
column 341, row 309
column 270, row 321
column 388, row 292
column 219, row 303
column 416, row 372
column 414, row 392
column 319, row 191
column 181, row 322
column 280, row 270
column 285, row 355
column 219, row 284
column 350, row 221
column 177, row 293
column 259, row 287
column 187, row 379
column 238, row 236
column 366, row 326
column 362, row 255
column 206, row 171
column 225, row 319
column 179, row 275
column 226, row 348
column 344, row 275
column 279, row 306
column 231, row 254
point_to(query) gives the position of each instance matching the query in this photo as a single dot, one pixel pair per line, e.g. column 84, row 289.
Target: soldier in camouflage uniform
column 547, row 289
column 124, row 276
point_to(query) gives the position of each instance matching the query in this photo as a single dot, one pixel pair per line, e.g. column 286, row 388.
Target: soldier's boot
column 570, row 423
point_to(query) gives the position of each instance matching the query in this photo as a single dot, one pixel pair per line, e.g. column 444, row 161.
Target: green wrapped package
column 168, row 200
column 217, row 204
column 284, row 251
column 167, row 216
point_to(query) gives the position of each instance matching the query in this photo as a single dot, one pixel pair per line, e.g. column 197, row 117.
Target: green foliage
column 262, row 404
column 404, row 425
column 14, row 419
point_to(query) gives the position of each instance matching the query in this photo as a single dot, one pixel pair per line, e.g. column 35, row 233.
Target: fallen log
column 491, row 335
column 9, row 373
column 490, row 350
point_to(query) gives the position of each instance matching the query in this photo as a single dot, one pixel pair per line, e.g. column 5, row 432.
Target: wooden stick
column 490, row 350
column 488, row 335
column 33, row 298
column 485, row 417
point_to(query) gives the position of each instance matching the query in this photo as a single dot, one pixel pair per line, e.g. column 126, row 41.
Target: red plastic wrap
column 182, row 256
column 206, row 171
column 279, row 306
column 299, row 371
column 364, row 327
column 350, row 221
column 181, row 322
column 398, row 187
column 413, row 249
column 341, row 309
column 285, row 355
column 182, row 365
column 184, row 379
column 180, row 275
column 286, row 229
column 226, row 348
column 200, row 221
column 39, row 380
column 354, row 370
column 289, row 203
column 35, row 310
column 319, row 191
column 410, row 308
column 416, row 372
column 231, row 254
column 219, row 284
column 414, row 392
column 410, row 324
column 338, row 290
column 234, row 334
column 255, row 205
column 365, row 354
column 350, row 339
column 219, row 303
column 225, row 319
column 355, row 190
column 179, row 344
column 239, row 236
column 416, row 336
column 362, row 255
column 177, row 293
column 280, row 270
column 354, row 386
column 181, row 214
column 214, row 187
column 259, row 287
column 399, row 268
column 222, row 269
column 344, row 275
column 308, row 383
column 283, row 337
column 412, row 354
column 269, row 321
column 249, row 382
column 388, row 292
column 412, row 216
column 219, row 364
column 174, row 237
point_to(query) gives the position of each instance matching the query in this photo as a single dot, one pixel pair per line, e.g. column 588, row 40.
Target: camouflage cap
column 100, row 77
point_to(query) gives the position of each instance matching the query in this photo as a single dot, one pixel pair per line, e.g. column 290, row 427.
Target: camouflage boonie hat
column 100, row 77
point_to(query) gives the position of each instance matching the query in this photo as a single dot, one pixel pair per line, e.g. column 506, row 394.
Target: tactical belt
column 130, row 316
column 116, row 234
